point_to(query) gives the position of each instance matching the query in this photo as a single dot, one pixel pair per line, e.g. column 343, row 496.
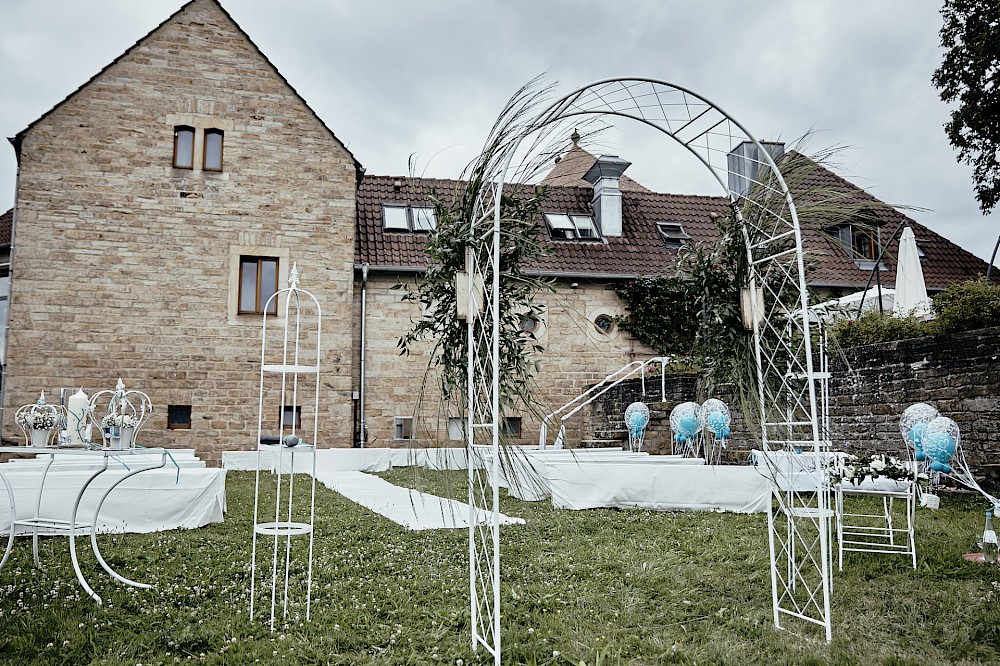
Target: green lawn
column 607, row 587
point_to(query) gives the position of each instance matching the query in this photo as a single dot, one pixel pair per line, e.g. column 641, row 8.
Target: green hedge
column 967, row 306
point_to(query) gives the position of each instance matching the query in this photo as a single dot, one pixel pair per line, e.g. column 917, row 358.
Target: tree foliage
column 695, row 313
column 970, row 76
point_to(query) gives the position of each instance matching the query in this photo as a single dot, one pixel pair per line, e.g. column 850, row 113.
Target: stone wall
column 870, row 387
column 125, row 266
column 576, row 356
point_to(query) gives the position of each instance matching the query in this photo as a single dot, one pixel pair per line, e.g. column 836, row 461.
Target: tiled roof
column 570, row 168
column 6, row 222
column 944, row 265
column 639, row 251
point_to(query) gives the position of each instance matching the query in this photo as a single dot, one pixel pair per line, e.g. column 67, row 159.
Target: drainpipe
column 363, row 430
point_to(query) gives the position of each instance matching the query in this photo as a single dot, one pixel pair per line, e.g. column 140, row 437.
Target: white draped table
column 91, row 491
column 661, row 487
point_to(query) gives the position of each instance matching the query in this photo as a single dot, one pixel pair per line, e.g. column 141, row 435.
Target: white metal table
column 72, row 526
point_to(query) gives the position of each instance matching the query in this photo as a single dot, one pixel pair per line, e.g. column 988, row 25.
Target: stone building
column 161, row 203
column 157, row 208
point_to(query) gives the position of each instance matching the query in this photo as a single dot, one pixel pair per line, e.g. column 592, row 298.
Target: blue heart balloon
column 717, row 421
column 687, row 425
column 939, row 446
column 920, row 455
column 637, row 422
column 917, row 433
column 936, row 466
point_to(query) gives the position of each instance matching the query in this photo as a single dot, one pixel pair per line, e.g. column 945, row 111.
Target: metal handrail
column 616, row 378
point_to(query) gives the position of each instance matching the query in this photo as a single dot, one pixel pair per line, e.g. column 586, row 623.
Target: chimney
column 607, row 201
column 745, row 161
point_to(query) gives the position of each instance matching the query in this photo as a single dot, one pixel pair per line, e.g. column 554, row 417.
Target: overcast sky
column 396, row 78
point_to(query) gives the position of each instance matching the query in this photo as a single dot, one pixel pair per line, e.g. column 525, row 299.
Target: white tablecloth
column 792, row 471
column 430, row 458
column 183, row 458
column 344, row 460
column 740, row 489
column 148, row 502
column 526, row 476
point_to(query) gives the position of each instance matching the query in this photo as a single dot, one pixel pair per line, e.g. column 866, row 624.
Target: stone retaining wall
column 870, row 387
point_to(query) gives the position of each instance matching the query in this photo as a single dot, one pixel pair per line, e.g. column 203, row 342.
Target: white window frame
column 574, row 227
column 400, row 426
column 456, row 428
column 418, row 219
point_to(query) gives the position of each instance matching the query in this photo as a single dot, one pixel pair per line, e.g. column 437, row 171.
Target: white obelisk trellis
column 799, row 519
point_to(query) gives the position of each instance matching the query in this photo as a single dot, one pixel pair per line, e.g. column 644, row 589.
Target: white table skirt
column 739, row 489
column 526, row 477
column 148, row 502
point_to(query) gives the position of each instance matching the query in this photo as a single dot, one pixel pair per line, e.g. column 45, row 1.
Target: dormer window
column 673, row 234
column 571, row 227
column 402, row 219
column 183, row 147
column 861, row 243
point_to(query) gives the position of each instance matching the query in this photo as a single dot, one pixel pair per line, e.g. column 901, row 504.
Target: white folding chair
column 888, row 531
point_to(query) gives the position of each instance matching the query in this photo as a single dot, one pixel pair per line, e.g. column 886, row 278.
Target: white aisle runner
column 410, row 508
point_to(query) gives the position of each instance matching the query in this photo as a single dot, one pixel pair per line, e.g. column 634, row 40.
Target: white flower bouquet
column 37, row 420
column 119, row 421
column 857, row 468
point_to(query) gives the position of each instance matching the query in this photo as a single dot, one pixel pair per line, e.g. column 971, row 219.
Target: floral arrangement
column 857, row 468
column 119, row 421
column 37, row 420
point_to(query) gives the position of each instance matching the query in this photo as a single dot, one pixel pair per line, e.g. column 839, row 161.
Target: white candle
column 76, row 417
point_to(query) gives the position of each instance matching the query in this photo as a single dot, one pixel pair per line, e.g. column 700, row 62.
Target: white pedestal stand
column 289, row 365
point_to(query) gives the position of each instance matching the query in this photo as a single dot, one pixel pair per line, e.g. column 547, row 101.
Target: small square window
column 178, row 417
column 402, row 427
column 291, row 417
column 511, row 426
column 183, row 147
column 673, row 234
column 456, row 429
column 213, row 150
column 584, row 226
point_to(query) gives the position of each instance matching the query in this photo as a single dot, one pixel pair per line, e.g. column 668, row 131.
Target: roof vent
column 745, row 161
column 605, row 175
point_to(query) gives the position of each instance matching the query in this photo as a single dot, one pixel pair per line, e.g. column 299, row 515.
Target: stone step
column 599, row 443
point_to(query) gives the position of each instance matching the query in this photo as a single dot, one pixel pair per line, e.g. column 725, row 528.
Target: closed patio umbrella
column 911, row 293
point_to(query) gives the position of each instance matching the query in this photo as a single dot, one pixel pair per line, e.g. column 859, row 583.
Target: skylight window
column 399, row 218
column 423, row 219
column 673, row 234
column 571, row 227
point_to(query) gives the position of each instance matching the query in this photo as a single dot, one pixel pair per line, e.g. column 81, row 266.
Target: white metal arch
column 788, row 419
